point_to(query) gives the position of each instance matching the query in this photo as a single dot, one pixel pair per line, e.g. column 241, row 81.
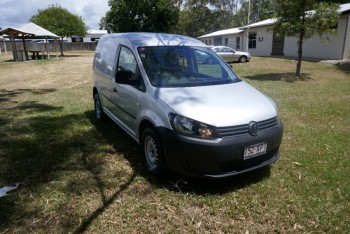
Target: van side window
column 128, row 71
column 127, row 61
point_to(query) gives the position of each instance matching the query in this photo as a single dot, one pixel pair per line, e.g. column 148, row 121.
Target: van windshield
column 185, row 66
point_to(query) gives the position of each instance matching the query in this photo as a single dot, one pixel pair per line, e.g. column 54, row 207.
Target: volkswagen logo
column 253, row 128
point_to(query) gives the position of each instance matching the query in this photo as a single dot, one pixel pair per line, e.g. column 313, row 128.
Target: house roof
column 39, row 32
column 97, row 32
column 343, row 8
column 222, row 32
column 261, row 23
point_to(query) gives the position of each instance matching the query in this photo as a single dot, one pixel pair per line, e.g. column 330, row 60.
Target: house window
column 252, row 40
column 217, row 41
column 226, row 41
column 238, row 43
column 209, row 42
column 77, row 39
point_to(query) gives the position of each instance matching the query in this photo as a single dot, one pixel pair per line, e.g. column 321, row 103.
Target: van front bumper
column 222, row 157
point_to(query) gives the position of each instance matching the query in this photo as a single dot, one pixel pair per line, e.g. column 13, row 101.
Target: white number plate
column 254, row 150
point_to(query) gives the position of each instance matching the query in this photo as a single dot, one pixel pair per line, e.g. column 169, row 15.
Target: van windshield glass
column 185, row 66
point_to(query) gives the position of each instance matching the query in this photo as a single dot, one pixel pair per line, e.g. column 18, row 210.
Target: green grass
column 79, row 175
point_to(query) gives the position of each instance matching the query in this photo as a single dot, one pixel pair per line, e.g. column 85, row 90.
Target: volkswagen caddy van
column 183, row 105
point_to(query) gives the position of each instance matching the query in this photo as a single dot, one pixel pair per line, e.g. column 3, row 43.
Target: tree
column 304, row 18
column 199, row 17
column 259, row 10
column 61, row 22
column 141, row 15
column 196, row 21
column 102, row 23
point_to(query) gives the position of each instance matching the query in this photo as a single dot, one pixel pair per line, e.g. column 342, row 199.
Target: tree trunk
column 61, row 46
column 300, row 53
column 300, row 42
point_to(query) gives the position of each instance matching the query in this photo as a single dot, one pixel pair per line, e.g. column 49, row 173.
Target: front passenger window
column 127, row 61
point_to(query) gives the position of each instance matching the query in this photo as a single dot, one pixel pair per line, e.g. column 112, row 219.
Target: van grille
column 243, row 129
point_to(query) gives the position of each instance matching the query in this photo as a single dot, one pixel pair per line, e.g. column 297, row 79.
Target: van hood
column 219, row 105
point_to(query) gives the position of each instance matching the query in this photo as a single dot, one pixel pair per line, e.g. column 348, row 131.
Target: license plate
column 254, row 150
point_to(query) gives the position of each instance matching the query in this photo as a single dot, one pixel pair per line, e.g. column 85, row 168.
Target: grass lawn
column 79, row 175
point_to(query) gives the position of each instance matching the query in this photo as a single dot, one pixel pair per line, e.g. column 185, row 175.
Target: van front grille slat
column 243, row 129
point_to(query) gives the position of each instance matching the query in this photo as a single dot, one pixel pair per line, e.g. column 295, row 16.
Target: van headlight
column 190, row 127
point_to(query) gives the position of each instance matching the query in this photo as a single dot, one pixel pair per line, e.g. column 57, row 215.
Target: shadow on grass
column 286, row 77
column 8, row 95
column 344, row 67
column 198, row 186
column 172, row 181
column 41, row 148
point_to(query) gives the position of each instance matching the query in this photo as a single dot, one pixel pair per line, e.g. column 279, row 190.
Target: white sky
column 16, row 13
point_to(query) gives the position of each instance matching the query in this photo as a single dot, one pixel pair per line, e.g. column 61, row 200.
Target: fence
column 67, row 46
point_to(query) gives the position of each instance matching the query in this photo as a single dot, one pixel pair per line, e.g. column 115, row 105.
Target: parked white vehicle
column 231, row 55
column 184, row 105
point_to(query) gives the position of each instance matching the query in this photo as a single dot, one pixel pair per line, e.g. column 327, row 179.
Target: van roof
column 157, row 39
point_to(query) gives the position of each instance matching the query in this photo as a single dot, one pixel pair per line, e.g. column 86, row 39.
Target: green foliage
column 259, row 10
column 304, row 18
column 141, row 15
column 187, row 17
column 307, row 16
column 200, row 17
column 60, row 21
column 102, row 23
column 200, row 20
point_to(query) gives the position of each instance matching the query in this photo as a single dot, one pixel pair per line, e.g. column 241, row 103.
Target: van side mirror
column 126, row 77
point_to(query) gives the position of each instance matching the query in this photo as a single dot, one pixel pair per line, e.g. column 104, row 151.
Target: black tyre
column 99, row 114
column 153, row 152
column 242, row 59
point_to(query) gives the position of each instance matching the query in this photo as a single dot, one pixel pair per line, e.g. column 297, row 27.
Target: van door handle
column 115, row 90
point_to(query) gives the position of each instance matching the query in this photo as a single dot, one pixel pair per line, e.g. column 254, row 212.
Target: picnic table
column 22, row 55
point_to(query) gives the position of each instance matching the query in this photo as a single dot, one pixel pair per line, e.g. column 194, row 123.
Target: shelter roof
column 39, row 32
column 16, row 32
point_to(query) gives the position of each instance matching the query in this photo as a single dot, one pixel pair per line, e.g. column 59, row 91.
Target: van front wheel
column 153, row 152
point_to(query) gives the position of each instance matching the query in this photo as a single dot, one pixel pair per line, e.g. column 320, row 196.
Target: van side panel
column 104, row 68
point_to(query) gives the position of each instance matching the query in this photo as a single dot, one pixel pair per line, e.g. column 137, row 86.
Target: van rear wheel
column 153, row 152
column 99, row 114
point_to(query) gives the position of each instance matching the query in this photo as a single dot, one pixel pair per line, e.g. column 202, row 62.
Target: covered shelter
column 18, row 55
column 40, row 33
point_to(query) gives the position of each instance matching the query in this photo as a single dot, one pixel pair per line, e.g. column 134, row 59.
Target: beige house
column 262, row 42
column 232, row 37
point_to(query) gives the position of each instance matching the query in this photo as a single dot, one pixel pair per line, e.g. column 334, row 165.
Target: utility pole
column 247, row 44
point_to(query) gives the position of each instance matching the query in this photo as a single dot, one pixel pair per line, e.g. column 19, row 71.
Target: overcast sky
column 16, row 13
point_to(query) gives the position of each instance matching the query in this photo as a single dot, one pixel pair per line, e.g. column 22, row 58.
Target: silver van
column 184, row 105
